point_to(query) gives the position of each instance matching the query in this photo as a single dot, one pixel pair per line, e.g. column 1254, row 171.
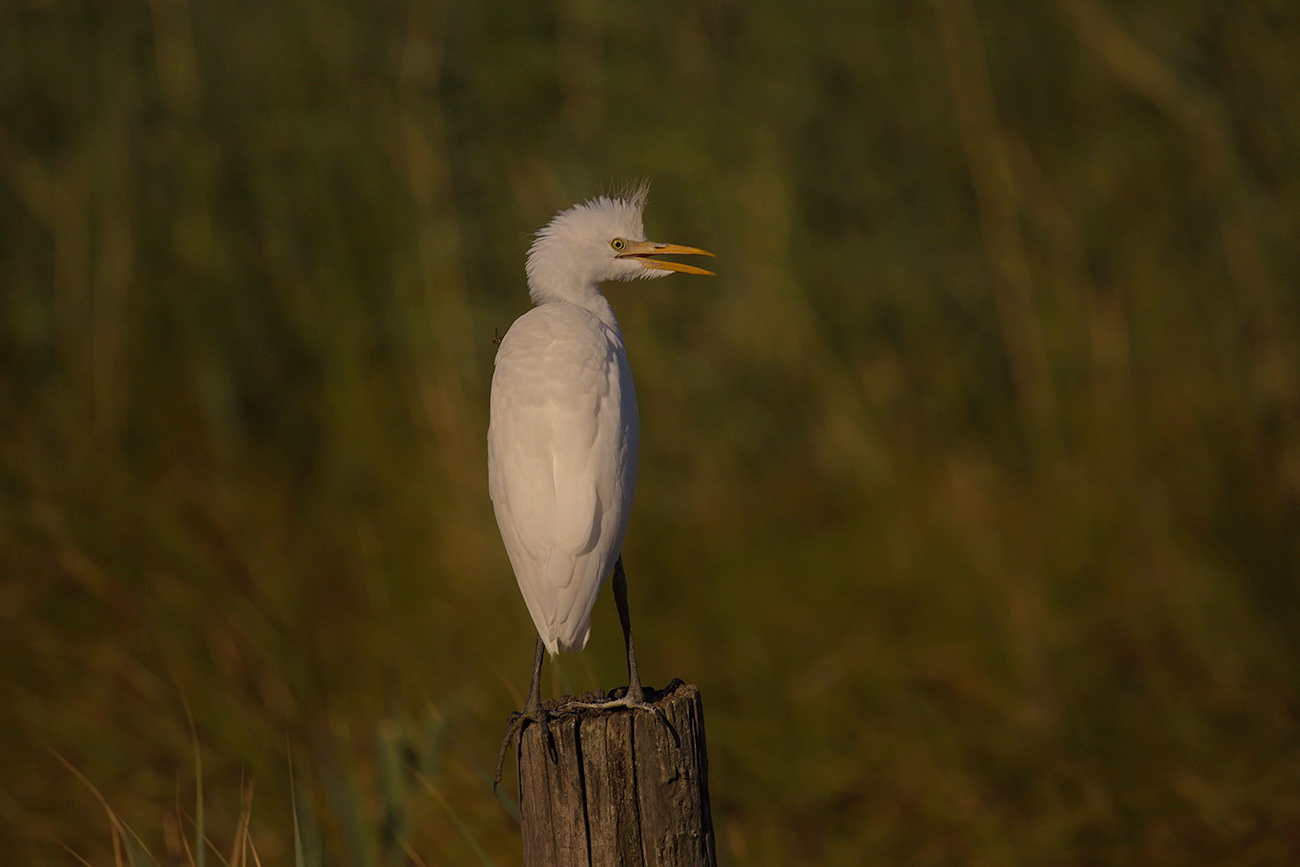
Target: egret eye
column 618, row 244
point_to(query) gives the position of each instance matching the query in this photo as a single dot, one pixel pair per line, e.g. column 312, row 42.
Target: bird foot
column 632, row 699
column 519, row 720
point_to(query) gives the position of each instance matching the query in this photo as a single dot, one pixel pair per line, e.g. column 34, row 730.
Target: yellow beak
column 640, row 250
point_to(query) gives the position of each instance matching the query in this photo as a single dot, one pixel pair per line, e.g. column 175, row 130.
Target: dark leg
column 532, row 712
column 635, row 695
column 634, row 691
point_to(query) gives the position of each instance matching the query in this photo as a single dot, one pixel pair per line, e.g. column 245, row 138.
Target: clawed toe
column 519, row 720
column 628, row 700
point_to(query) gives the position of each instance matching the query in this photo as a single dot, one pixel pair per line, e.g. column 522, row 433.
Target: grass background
column 970, row 487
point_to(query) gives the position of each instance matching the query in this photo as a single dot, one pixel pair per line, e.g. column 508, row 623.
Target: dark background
column 970, row 488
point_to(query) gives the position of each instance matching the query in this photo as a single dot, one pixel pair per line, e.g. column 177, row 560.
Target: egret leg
column 532, row 712
column 635, row 693
column 634, row 696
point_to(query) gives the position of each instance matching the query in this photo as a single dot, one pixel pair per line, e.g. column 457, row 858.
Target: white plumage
column 562, row 458
column 562, row 443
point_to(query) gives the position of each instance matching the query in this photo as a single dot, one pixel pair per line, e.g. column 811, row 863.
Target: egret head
column 599, row 240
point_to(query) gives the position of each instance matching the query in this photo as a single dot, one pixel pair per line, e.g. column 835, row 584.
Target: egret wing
column 561, row 456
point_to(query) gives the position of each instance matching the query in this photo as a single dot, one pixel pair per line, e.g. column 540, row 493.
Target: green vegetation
column 970, row 488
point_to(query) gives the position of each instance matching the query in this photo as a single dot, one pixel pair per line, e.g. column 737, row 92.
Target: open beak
column 642, row 250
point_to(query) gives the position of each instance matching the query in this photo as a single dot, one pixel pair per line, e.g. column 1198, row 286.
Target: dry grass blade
column 124, row 839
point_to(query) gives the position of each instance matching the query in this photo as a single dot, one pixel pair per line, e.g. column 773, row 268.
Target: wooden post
column 623, row 789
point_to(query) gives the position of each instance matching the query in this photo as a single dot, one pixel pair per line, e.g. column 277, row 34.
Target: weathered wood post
column 623, row 788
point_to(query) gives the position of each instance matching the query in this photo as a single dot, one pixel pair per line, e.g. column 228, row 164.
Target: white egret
column 562, row 442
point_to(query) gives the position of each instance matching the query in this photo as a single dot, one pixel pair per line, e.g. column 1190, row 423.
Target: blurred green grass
column 970, row 490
